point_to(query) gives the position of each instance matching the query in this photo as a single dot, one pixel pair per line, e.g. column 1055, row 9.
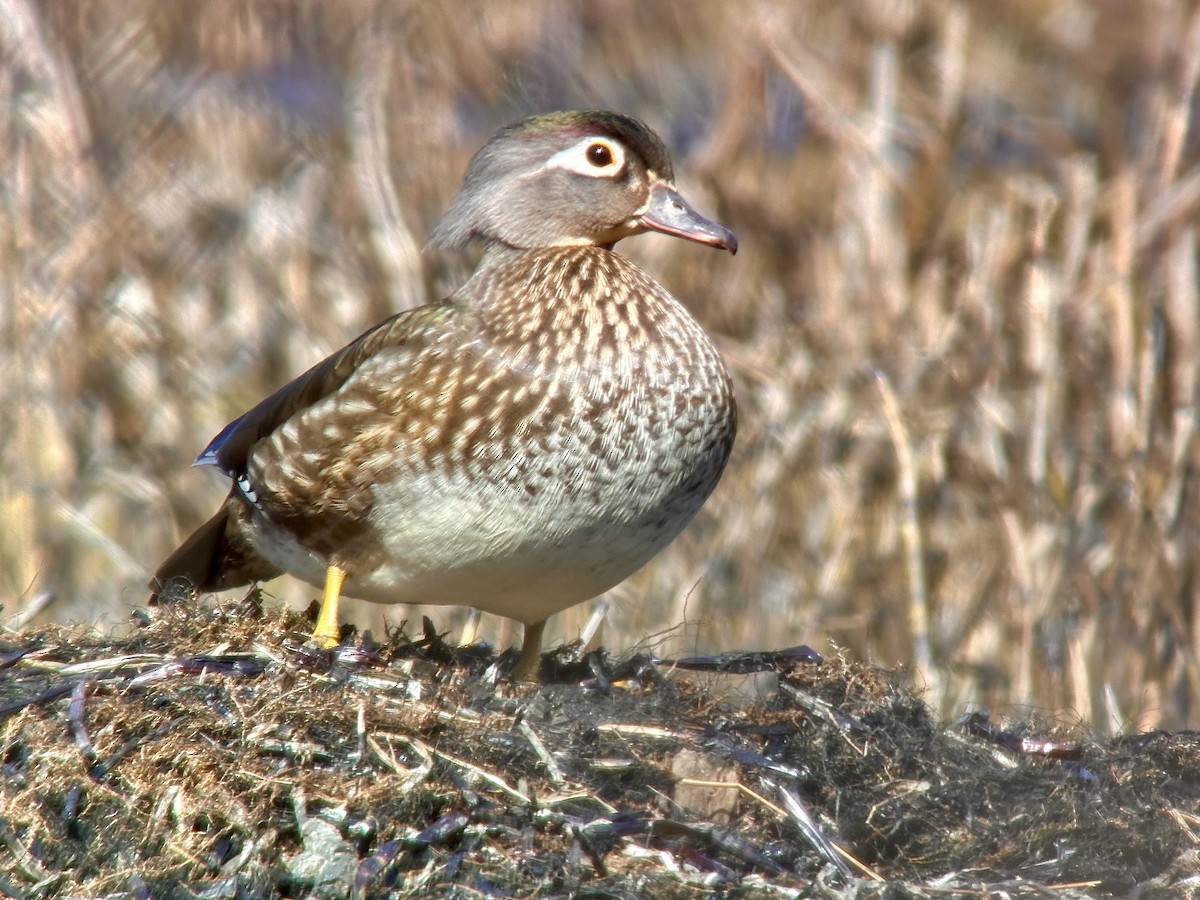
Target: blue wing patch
column 211, row 454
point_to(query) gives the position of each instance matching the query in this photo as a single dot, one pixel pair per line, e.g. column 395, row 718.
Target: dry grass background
column 964, row 322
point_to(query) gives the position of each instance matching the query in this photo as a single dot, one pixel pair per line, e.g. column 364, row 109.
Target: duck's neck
column 497, row 253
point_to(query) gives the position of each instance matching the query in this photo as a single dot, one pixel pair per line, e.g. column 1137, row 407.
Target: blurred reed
column 964, row 322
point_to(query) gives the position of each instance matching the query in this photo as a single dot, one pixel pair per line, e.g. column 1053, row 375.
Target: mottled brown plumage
column 519, row 447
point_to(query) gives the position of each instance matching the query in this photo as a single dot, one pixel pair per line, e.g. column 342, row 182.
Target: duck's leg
column 327, row 632
column 531, row 653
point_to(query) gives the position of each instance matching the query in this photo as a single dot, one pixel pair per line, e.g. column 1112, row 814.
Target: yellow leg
column 531, row 653
column 326, row 634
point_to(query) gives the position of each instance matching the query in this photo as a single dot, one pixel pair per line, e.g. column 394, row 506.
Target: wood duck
column 521, row 446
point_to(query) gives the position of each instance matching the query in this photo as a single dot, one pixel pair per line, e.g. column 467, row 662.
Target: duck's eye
column 600, row 155
column 594, row 156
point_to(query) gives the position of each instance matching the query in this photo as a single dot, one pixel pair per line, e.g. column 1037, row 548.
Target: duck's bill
column 669, row 213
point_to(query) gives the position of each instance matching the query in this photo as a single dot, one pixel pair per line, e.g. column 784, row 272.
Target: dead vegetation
column 964, row 321
column 210, row 754
column 964, row 325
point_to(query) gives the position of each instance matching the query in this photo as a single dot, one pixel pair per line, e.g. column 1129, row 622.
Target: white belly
column 454, row 540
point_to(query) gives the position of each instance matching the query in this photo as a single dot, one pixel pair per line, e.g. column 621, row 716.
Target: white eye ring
column 596, row 157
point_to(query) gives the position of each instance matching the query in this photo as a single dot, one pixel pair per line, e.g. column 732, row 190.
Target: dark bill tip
column 669, row 213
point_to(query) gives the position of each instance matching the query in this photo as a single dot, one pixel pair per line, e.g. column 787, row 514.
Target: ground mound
column 210, row 754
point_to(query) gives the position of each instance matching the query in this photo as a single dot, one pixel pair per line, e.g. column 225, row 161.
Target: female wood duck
column 523, row 445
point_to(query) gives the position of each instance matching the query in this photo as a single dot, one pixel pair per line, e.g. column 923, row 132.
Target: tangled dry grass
column 964, row 322
column 210, row 754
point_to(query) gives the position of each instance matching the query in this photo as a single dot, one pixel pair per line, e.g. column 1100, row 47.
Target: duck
column 521, row 446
